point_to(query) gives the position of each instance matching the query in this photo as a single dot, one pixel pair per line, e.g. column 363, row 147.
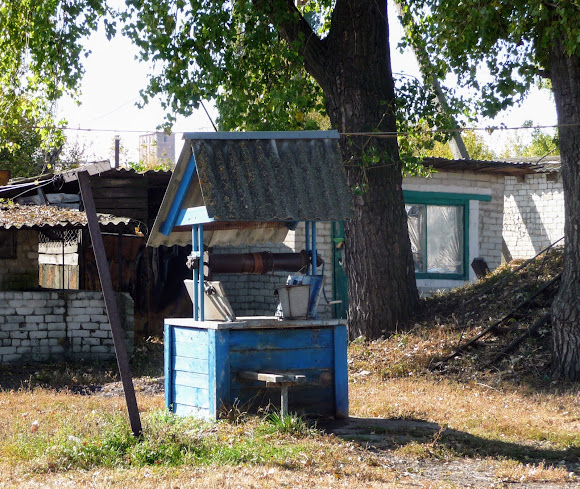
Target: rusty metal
column 110, row 302
column 259, row 263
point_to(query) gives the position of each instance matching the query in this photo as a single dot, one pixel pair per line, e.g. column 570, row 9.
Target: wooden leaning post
column 110, row 302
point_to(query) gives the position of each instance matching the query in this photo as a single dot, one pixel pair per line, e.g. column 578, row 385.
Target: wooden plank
column 187, row 335
column 272, row 378
column 185, row 410
column 219, row 370
column 282, row 360
column 168, row 366
column 192, row 396
column 191, row 379
column 110, row 303
column 340, row 372
column 194, row 365
column 262, row 377
column 71, row 259
column 244, row 323
column 280, row 339
column 312, row 377
column 191, row 350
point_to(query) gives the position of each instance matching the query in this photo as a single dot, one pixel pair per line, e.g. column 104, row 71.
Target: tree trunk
column 565, row 72
column 359, row 91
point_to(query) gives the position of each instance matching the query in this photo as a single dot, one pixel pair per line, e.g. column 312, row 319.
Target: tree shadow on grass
column 376, row 434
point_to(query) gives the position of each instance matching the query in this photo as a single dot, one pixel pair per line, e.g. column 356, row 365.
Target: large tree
column 271, row 65
column 256, row 57
column 518, row 41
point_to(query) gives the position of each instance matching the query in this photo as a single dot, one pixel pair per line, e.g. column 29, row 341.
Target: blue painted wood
column 201, row 385
column 280, row 339
column 219, row 370
column 187, row 178
column 191, row 379
column 193, row 215
column 195, row 365
column 185, row 410
column 190, row 350
column 168, row 364
column 193, row 396
column 190, row 335
column 341, row 371
column 282, row 360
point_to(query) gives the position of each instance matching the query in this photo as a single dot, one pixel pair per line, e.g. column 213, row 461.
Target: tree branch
column 294, row 28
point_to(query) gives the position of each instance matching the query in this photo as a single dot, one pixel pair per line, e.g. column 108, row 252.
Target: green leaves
column 512, row 39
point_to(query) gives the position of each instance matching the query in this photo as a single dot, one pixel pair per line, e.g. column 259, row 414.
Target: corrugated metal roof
column 267, row 176
column 17, row 216
column 479, row 166
column 509, row 167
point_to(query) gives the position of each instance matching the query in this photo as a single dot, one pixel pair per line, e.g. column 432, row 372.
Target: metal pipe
column 313, row 247
column 195, row 249
column 307, row 241
column 259, row 263
column 201, row 289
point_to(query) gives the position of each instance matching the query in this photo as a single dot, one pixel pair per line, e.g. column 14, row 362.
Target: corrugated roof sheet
column 281, row 176
column 509, row 167
column 17, row 216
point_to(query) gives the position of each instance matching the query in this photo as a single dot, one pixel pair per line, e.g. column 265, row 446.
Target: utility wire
column 385, row 134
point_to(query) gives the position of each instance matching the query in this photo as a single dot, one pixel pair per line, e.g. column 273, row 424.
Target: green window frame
column 446, row 199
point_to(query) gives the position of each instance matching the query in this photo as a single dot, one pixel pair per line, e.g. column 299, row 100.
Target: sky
column 113, row 78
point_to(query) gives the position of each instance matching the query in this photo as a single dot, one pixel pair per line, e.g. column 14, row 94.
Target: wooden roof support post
column 110, row 302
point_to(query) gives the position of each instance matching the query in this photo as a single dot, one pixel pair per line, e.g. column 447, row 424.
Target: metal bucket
column 294, row 300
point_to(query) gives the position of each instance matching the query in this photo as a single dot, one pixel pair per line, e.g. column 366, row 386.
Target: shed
column 135, row 269
column 247, row 189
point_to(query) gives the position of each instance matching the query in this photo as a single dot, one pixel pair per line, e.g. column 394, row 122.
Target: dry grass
column 416, row 422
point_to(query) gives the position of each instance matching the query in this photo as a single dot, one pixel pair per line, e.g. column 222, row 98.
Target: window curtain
column 444, row 239
column 416, row 224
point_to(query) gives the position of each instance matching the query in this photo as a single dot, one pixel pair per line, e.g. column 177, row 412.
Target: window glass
column 436, row 234
column 416, row 223
column 444, row 239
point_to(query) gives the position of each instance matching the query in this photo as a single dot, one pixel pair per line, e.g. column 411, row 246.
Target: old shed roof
column 255, row 177
column 509, row 167
column 17, row 216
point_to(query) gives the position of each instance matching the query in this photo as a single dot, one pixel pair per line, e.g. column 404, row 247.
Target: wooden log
column 528, row 334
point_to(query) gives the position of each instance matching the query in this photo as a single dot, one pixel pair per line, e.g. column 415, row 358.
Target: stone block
column 38, row 334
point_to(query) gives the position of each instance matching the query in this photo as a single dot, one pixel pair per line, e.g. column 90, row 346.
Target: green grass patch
column 167, row 440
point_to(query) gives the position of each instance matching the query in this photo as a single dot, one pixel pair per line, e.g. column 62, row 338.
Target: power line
column 378, row 134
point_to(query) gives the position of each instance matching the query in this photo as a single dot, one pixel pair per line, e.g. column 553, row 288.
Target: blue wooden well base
column 203, row 359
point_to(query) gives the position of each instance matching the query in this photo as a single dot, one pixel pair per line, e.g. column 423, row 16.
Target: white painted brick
column 90, row 326
column 38, row 334
column 81, row 318
column 100, row 318
column 35, row 319
column 51, row 318
column 55, row 334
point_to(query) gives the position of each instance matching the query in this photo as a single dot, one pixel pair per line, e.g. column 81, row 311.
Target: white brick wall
column 533, row 214
column 44, row 326
column 485, row 218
